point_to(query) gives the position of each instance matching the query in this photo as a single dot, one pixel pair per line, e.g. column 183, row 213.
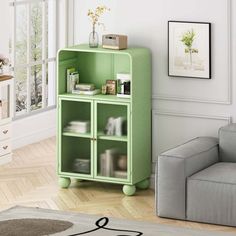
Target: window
column 33, row 48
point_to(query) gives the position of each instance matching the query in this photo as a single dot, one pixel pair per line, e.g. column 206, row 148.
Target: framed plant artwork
column 189, row 49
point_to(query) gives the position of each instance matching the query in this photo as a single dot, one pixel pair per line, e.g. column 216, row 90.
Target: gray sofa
column 196, row 181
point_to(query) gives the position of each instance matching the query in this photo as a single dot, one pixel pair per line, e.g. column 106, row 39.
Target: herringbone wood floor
column 30, row 180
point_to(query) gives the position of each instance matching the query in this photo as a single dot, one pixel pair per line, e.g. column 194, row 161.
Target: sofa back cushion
column 227, row 143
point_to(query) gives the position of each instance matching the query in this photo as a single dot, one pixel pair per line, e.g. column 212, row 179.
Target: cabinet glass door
column 76, row 137
column 112, row 145
column 5, row 100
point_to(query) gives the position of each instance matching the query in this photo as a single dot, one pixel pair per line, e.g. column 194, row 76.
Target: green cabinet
column 95, row 155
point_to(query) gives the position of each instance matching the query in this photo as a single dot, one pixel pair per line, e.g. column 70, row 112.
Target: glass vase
column 93, row 39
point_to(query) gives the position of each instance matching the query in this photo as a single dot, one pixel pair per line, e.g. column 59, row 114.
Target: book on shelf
column 121, row 174
column 72, row 79
column 85, row 87
column 81, row 92
column 76, row 126
column 107, row 162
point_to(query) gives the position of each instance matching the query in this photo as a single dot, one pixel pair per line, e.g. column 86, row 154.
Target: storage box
column 81, row 166
column 114, row 41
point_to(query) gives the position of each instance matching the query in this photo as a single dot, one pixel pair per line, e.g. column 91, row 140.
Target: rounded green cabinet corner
column 88, row 148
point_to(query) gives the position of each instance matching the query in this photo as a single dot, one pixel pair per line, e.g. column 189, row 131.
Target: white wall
column 182, row 108
column 5, row 27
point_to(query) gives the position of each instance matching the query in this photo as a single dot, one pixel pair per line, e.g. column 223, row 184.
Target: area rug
column 26, row 221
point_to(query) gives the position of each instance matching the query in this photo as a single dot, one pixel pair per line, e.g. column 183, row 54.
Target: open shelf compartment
column 96, row 68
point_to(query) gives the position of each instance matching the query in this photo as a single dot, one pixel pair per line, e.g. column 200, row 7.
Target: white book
column 103, row 164
column 80, row 92
column 110, row 161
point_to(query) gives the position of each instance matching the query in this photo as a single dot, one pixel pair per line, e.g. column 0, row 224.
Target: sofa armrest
column 173, row 168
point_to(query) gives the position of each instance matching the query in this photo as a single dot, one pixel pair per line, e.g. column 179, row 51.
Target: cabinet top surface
column 86, row 48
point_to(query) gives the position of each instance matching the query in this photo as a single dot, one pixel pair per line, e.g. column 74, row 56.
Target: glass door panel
column 112, row 159
column 75, row 138
column 5, row 101
column 112, row 133
column 112, row 121
column 76, row 155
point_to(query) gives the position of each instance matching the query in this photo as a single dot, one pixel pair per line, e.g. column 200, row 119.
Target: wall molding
column 156, row 112
column 228, row 100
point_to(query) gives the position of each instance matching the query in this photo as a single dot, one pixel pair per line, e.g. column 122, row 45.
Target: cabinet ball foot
column 64, row 182
column 143, row 184
column 129, row 190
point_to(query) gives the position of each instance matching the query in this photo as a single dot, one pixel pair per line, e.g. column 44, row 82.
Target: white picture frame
column 189, row 49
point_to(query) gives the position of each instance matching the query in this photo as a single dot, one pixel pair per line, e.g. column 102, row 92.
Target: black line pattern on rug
column 102, row 222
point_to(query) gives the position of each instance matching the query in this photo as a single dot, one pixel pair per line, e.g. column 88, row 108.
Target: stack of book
column 107, row 162
column 77, row 126
column 85, row 89
column 108, row 165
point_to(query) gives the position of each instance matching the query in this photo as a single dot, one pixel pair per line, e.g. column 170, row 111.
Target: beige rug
column 25, row 221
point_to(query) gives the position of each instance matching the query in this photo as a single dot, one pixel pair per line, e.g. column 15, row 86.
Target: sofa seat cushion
column 211, row 195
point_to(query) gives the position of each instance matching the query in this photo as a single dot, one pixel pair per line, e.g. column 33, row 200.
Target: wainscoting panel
column 171, row 128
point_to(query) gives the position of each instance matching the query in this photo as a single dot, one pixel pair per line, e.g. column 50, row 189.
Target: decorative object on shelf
column 77, row 126
column 115, row 126
column 94, row 16
column 72, row 79
column 4, row 61
column 111, row 87
column 122, row 162
column 110, row 126
column 189, row 49
column 123, row 85
column 114, row 41
column 104, row 89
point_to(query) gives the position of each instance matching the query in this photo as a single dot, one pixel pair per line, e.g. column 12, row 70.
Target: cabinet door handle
column 5, row 147
column 5, row 131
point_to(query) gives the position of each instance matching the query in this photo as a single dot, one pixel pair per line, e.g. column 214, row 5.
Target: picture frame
column 111, row 87
column 189, row 49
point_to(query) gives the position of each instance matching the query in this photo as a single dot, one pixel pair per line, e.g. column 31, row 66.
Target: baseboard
column 34, row 129
column 152, row 181
column 33, row 137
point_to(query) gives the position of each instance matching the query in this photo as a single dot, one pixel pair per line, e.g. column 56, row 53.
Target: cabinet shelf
column 103, row 136
column 98, row 97
column 72, row 134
